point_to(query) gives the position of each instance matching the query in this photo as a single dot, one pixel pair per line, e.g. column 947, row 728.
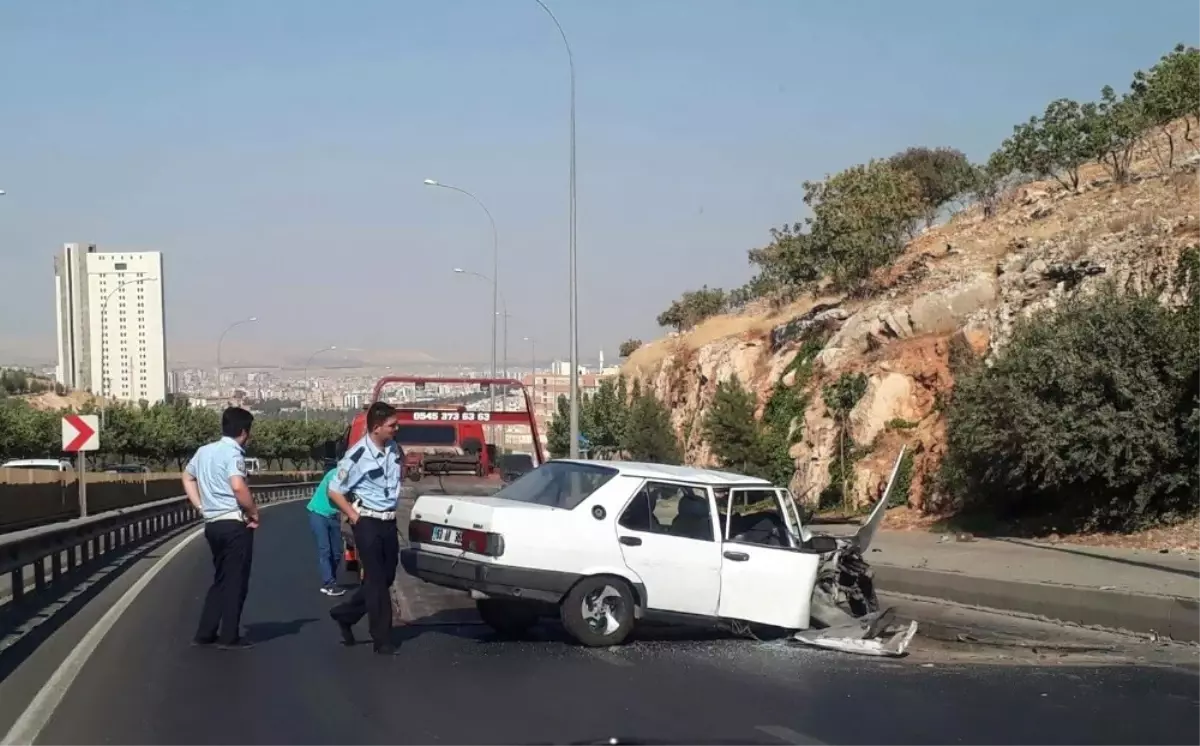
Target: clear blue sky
column 274, row 151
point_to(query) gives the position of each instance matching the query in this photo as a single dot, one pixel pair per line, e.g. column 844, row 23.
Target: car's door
column 668, row 536
column 765, row 577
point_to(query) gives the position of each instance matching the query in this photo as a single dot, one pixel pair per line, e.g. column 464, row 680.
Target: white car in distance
column 604, row 544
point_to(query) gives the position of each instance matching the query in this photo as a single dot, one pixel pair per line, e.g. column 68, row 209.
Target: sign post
column 80, row 434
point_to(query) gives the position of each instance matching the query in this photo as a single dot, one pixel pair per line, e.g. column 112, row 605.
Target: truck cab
column 447, row 439
column 439, row 440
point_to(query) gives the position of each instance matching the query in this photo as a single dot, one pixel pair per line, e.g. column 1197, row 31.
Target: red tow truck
column 450, row 441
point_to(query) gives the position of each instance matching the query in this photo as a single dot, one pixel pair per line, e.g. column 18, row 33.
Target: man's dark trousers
column 232, row 546
column 378, row 545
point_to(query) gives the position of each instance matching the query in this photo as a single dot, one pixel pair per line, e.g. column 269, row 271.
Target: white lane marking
column 787, row 735
column 29, row 725
column 41, row 708
column 608, row 656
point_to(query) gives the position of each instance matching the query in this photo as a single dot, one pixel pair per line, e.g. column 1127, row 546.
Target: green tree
column 628, row 347
column 606, row 418
column 730, row 428
column 1055, row 144
column 941, row 173
column 840, row 397
column 648, row 433
column 1091, row 413
column 1170, row 91
column 692, row 308
column 1115, row 129
column 988, row 181
column 558, row 432
column 862, row 219
column 791, row 261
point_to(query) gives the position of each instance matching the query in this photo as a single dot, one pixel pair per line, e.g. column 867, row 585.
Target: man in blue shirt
column 366, row 489
column 323, row 519
column 215, row 484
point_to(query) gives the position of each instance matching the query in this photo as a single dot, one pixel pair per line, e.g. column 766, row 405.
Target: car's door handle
column 630, row 541
column 737, row 556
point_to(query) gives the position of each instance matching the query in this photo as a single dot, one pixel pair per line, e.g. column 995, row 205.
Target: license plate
column 445, row 535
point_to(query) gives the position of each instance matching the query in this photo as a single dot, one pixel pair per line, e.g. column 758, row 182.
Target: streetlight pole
column 306, row 364
column 222, row 339
column 504, row 313
column 504, row 358
column 104, row 340
column 495, row 270
column 532, row 365
column 571, row 249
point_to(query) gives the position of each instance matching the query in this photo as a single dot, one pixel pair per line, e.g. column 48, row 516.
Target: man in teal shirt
column 326, row 527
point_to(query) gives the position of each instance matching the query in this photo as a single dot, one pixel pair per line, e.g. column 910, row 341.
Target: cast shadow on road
column 465, row 624
column 266, row 631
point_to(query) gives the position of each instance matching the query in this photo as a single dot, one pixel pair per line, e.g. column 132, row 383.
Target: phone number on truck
column 448, row 416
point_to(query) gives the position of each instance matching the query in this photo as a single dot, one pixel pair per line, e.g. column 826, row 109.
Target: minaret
column 601, row 361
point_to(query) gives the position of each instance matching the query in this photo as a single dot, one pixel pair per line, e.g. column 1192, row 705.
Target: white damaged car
column 605, row 544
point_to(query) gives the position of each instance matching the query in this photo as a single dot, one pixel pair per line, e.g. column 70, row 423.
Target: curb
column 1166, row 616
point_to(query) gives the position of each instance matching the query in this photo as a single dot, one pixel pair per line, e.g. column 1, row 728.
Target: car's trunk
column 478, row 513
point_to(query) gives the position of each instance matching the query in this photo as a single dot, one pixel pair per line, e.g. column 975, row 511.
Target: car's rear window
column 426, row 435
column 559, row 484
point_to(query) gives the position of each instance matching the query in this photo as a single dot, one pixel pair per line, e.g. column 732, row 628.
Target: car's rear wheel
column 598, row 611
column 507, row 617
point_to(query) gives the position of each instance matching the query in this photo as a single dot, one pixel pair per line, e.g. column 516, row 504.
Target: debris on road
column 845, row 609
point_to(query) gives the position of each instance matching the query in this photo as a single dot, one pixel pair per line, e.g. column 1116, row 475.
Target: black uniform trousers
column 232, row 546
column 378, row 545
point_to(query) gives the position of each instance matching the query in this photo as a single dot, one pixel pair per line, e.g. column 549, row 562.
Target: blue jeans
column 328, row 531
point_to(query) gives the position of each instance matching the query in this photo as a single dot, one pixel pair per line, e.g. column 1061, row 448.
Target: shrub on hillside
column 1091, row 414
column 692, row 308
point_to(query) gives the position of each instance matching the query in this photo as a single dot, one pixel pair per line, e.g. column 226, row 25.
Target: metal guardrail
column 39, row 559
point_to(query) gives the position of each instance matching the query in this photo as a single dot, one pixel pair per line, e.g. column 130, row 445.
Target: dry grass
column 757, row 322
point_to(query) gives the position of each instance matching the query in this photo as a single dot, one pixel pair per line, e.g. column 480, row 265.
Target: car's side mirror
column 822, row 544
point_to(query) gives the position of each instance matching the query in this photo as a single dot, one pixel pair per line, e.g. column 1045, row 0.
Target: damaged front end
column 845, row 609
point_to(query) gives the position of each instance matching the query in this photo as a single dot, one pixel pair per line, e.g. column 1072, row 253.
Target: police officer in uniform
column 366, row 489
column 215, row 484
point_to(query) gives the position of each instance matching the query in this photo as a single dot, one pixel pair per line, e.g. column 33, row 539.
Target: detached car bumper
column 495, row 580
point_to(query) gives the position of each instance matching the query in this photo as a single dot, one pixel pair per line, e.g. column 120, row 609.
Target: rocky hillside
column 958, row 286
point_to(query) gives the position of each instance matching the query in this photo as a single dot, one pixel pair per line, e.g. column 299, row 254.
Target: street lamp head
column 459, row 270
column 431, row 182
column 252, row 318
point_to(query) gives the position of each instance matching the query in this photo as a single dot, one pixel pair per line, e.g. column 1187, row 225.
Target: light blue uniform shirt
column 370, row 474
column 213, row 466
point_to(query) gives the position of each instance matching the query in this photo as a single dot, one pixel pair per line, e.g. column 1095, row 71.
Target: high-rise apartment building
column 111, row 332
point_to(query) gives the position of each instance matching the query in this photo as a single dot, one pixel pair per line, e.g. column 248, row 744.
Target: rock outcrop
column 958, row 290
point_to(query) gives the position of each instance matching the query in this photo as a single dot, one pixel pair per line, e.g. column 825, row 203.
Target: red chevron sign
column 80, row 432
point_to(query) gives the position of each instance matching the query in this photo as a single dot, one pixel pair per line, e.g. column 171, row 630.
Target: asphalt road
column 452, row 683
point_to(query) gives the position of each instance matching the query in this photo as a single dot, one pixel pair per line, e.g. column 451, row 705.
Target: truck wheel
column 508, row 618
column 598, row 611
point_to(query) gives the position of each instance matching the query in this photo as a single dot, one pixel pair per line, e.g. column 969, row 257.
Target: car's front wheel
column 507, row 617
column 598, row 611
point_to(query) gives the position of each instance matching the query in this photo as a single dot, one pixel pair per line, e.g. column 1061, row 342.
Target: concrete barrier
column 27, row 505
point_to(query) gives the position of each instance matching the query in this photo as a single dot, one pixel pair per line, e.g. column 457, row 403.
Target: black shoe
column 237, row 645
column 203, row 643
column 386, row 649
column 347, row 633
